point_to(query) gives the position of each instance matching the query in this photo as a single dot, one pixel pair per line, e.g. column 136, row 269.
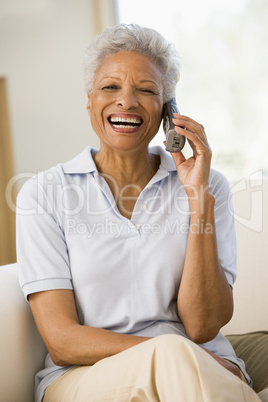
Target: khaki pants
column 168, row 368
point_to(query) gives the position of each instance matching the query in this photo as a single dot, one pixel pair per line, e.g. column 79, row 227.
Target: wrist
column 200, row 199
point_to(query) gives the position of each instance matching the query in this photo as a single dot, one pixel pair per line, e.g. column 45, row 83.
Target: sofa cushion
column 253, row 349
column 263, row 395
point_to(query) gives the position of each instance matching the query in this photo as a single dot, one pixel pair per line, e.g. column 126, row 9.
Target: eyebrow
column 118, row 79
column 110, row 77
column 151, row 81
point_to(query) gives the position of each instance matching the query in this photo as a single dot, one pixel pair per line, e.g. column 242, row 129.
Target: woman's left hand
column 233, row 368
column 192, row 172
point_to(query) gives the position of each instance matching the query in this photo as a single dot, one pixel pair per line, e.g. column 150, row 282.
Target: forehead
column 129, row 63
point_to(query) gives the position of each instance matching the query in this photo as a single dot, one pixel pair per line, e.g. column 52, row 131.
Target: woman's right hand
column 67, row 341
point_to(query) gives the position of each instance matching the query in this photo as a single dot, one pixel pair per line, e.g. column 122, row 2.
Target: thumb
column 178, row 158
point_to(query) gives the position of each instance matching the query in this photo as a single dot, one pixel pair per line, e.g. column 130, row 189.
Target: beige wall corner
column 7, row 216
column 104, row 12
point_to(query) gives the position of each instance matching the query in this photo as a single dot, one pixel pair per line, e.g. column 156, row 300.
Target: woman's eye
column 147, row 90
column 110, row 87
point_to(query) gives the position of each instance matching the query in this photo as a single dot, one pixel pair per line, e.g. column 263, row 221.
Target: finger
column 186, row 119
column 199, row 145
column 190, row 125
column 192, row 146
column 196, row 141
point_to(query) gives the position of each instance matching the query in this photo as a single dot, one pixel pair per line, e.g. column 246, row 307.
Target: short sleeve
column 42, row 253
column 225, row 226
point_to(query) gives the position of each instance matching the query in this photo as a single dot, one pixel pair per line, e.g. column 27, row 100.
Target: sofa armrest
column 253, row 349
column 22, row 350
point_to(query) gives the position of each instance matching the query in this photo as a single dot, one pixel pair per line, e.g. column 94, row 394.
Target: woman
column 126, row 253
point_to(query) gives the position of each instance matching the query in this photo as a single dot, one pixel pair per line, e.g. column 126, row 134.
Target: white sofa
column 22, row 349
column 23, row 352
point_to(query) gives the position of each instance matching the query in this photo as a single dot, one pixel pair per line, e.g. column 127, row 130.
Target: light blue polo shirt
column 125, row 273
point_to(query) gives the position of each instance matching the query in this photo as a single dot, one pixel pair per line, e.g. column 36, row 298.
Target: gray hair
column 134, row 38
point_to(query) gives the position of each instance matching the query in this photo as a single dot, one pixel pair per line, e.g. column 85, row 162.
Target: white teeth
column 133, row 120
column 122, row 126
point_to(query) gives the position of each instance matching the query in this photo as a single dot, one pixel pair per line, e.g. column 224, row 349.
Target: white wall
column 42, row 44
column 250, row 289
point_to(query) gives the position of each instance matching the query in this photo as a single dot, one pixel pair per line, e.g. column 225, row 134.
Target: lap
column 165, row 368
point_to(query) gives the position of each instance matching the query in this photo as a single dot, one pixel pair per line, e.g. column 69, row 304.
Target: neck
column 127, row 168
column 126, row 174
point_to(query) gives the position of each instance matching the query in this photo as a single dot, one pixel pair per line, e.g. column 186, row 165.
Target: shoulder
column 57, row 175
column 39, row 182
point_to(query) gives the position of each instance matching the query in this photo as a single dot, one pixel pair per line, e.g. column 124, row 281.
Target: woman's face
column 126, row 103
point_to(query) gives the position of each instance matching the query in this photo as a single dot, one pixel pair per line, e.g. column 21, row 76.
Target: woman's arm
column 205, row 300
column 67, row 341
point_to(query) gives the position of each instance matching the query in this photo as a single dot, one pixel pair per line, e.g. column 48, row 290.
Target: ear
column 89, row 104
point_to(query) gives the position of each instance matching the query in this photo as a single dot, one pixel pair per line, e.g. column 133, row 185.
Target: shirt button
column 50, row 176
column 138, row 226
column 143, row 207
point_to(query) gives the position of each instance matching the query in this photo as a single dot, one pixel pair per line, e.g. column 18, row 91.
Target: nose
column 127, row 99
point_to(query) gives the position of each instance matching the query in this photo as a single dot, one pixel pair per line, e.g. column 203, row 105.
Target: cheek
column 95, row 108
column 97, row 122
column 94, row 118
column 156, row 112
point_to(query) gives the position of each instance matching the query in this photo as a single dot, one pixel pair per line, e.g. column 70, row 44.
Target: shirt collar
column 84, row 163
column 167, row 162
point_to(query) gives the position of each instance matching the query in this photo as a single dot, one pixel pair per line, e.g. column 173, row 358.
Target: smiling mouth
column 125, row 122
